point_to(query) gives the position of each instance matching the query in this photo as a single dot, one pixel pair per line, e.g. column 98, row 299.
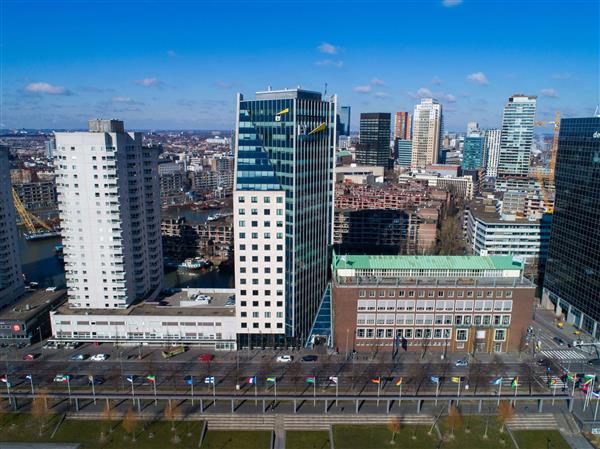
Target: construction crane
column 30, row 220
column 548, row 178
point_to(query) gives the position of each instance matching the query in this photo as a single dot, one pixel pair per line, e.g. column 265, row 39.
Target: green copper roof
column 426, row 262
column 343, row 153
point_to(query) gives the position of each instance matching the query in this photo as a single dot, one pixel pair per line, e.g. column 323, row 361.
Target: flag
column 209, row 380
column 311, row 380
column 251, row 380
column 283, row 111
column 151, row 378
column 399, row 382
column 571, row 377
column 554, row 381
column 319, row 128
column 271, row 379
column 333, row 379
column 190, row 381
column 515, row 382
column 28, row 377
column 456, row 380
column 496, row 381
column 130, row 379
column 587, row 380
column 376, row 380
column 435, row 379
column 596, row 394
column 4, row 379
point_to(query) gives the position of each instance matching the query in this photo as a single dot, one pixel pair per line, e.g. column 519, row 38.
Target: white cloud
column 381, row 95
column 328, row 48
column 549, row 92
column 122, row 99
column 46, row 88
column 563, row 76
column 224, row 85
column 448, row 98
column 330, row 63
column 451, row 3
column 377, row 82
column 478, row 78
column 436, row 80
column 423, row 92
column 148, row 82
column 362, row 89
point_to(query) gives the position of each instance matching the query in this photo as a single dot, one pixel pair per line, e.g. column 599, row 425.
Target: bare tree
column 40, row 411
column 171, row 414
column 505, row 413
column 131, row 423
column 394, row 425
column 454, row 418
column 523, row 343
column 107, row 415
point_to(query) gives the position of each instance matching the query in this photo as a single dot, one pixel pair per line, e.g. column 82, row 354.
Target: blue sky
column 178, row 64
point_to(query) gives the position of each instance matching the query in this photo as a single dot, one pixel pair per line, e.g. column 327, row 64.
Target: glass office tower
column 572, row 279
column 374, row 147
column 344, row 121
column 285, row 146
column 473, row 153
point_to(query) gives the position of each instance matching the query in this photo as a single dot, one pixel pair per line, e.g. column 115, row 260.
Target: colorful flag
column 271, row 379
column 456, row 380
column 376, row 380
column 209, row 380
column 311, row 379
column 251, row 380
column 596, row 394
column 515, row 382
column 28, row 377
column 4, row 379
column 333, row 379
column 435, row 379
column 496, row 381
column 151, row 378
column 554, row 381
column 571, row 377
column 399, row 382
column 588, row 379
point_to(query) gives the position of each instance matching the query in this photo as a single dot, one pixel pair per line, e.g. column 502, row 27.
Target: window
column 360, row 333
column 500, row 335
column 362, row 293
column 241, row 199
column 380, row 333
column 462, row 334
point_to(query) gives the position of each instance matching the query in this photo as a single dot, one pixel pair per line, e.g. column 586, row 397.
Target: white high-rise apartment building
column 492, row 148
column 517, row 136
column 11, row 276
column 109, row 204
column 427, row 133
column 472, row 127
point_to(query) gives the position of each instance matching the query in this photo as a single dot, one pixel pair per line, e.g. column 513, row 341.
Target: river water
column 41, row 265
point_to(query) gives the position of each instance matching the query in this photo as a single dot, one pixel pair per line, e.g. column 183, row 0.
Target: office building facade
column 517, row 136
column 374, row 146
column 109, row 207
column 402, row 126
column 284, row 147
column 492, row 148
column 11, row 276
column 427, row 133
column 572, row 281
column 344, row 121
column 473, row 152
column 403, row 152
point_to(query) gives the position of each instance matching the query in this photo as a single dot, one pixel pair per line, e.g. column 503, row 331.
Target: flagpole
column 437, row 389
column 400, row 398
column 275, row 387
column 31, row 383
column 499, row 391
column 459, row 379
column 553, row 393
column 255, row 392
column 154, row 384
column 192, row 384
column 69, row 387
column 336, row 391
column 596, row 409
column 132, row 390
column 378, row 389
column 93, row 388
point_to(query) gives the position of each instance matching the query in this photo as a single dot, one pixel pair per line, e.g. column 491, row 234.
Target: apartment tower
column 427, row 133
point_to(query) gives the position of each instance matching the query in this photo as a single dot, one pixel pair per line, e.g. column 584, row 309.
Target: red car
column 205, row 358
column 29, row 356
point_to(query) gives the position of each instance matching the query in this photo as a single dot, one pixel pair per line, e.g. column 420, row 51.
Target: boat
column 195, row 263
column 39, row 235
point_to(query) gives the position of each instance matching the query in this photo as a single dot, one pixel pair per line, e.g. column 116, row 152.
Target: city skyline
column 184, row 73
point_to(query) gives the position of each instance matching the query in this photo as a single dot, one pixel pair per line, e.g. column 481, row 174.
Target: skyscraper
column 427, row 133
column 473, row 152
column 517, row 136
column 344, row 121
column 472, row 127
column 403, row 152
column 572, row 278
column 11, row 276
column 374, row 146
column 492, row 147
column 402, row 126
column 285, row 146
column 109, row 205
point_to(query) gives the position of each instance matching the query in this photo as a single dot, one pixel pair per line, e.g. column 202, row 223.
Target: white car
column 99, row 357
column 60, row 378
column 284, row 358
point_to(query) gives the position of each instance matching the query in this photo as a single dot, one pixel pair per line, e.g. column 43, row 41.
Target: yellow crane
column 28, row 218
column 548, row 179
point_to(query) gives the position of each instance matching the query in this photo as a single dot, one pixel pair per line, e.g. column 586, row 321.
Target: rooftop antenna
column 597, row 111
column 325, row 93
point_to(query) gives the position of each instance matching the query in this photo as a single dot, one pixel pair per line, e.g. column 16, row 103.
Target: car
column 99, row 357
column 559, row 341
column 50, row 344
column 577, row 332
column 79, row 357
column 61, row 378
column 205, row 358
column 29, row 356
column 462, row 362
column 51, row 289
column 284, row 358
column 594, row 362
column 72, row 345
column 309, row 358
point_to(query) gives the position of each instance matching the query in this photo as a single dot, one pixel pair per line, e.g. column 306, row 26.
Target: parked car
column 79, row 357
column 284, row 358
column 61, row 378
column 51, row 289
column 205, row 358
column 50, row 344
column 30, row 356
column 462, row 362
column 99, row 357
column 310, row 358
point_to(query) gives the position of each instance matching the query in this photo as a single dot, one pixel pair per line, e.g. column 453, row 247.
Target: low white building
column 462, row 185
column 204, row 317
column 359, row 174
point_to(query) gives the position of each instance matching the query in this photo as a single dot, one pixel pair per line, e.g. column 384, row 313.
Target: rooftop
column 31, row 304
column 363, row 262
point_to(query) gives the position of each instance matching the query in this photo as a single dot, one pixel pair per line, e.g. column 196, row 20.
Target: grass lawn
column 155, row 435
column 216, row 439
column 377, row 437
column 307, row 440
column 470, row 431
column 534, row 439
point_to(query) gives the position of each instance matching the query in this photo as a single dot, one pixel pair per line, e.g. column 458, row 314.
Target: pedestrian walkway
column 564, row 354
column 570, row 432
column 539, row 421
